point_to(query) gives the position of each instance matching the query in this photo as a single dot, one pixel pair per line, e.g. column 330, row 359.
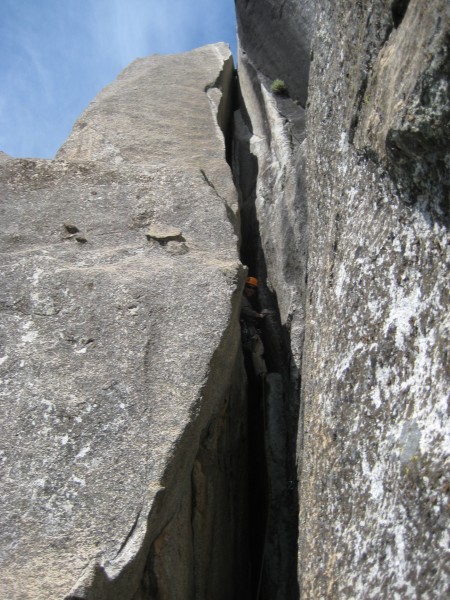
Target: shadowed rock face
column 361, row 279
column 276, row 36
column 119, row 351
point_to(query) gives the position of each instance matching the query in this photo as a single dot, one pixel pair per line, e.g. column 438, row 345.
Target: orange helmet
column 252, row 282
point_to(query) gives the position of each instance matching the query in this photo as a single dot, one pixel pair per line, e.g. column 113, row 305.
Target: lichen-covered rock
column 116, row 393
column 375, row 379
column 405, row 108
column 372, row 222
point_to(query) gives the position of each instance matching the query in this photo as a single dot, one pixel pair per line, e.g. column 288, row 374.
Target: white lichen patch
column 81, row 482
column 402, row 309
column 346, row 362
column 83, row 452
column 373, row 478
column 29, row 337
column 341, row 280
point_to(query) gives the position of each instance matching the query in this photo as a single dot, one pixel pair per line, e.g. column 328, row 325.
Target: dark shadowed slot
column 273, row 496
column 399, row 8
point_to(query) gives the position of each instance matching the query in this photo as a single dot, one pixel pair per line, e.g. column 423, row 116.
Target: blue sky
column 56, row 55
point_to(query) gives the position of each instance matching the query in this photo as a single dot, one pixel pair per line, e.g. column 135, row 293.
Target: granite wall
column 353, row 214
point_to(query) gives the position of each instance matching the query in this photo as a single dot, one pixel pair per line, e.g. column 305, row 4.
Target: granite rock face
column 270, row 153
column 120, row 360
column 276, row 37
column 375, row 374
column 123, row 452
column 171, row 97
column 361, row 279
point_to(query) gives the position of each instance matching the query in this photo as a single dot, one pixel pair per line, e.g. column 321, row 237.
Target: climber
column 251, row 340
column 248, row 313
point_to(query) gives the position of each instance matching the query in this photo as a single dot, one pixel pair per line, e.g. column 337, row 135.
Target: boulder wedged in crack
column 117, row 350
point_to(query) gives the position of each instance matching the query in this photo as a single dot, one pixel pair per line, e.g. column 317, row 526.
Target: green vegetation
column 279, row 87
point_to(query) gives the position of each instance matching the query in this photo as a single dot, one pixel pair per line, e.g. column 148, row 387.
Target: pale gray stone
column 171, row 97
column 273, row 214
column 119, row 359
column 164, row 233
column 124, row 432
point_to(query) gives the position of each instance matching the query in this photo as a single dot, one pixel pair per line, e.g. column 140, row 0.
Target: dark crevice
column 359, row 100
column 273, row 495
column 130, row 533
column 227, row 105
column 245, row 169
column 258, row 481
column 399, row 8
